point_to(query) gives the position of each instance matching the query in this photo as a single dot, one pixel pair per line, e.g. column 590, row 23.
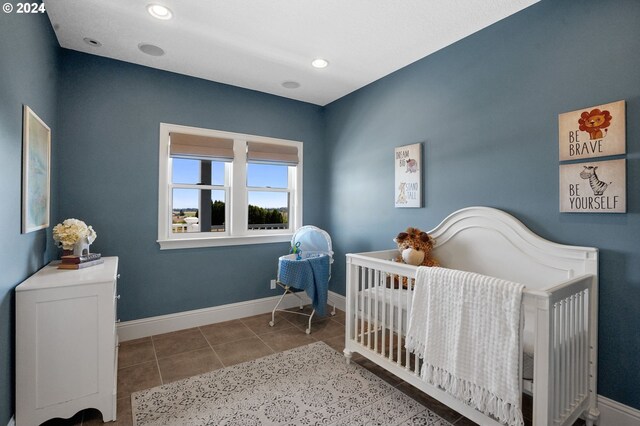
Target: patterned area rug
column 309, row 385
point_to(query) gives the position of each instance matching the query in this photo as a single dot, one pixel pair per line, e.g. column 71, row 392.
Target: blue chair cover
column 311, row 274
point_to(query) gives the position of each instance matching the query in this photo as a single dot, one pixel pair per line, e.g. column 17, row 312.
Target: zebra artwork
column 596, row 184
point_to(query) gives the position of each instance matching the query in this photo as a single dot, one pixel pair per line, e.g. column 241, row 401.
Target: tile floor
column 164, row 358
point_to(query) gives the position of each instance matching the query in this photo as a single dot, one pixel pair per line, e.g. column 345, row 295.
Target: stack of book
column 80, row 262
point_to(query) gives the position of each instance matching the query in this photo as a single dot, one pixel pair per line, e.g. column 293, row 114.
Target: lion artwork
column 594, row 122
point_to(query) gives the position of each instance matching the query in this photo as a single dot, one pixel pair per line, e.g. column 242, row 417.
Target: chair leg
column 273, row 313
column 308, row 330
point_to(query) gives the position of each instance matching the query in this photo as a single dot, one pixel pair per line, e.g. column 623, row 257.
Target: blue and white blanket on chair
column 310, row 274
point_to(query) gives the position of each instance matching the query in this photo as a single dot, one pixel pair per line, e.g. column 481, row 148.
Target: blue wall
column 28, row 75
column 486, row 108
column 110, row 114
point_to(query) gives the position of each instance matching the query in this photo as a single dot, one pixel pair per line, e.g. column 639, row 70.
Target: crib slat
column 574, row 364
column 376, row 287
column 399, row 331
column 369, row 307
column 585, row 342
column 561, row 363
column 356, row 307
column 391, row 316
column 567, row 359
column 581, row 341
column 570, row 349
column 361, row 311
column 407, row 365
column 563, row 358
column 556, row 361
column 569, row 356
column 384, row 315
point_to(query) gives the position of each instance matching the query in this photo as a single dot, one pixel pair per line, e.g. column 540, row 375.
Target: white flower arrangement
column 71, row 231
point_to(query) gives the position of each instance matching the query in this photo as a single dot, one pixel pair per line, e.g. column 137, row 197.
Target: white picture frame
column 36, row 172
column 592, row 132
column 593, row 187
column 408, row 176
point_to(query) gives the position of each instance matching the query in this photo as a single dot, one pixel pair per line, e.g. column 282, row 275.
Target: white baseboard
column 146, row 327
column 339, row 300
column 613, row 413
column 12, row 421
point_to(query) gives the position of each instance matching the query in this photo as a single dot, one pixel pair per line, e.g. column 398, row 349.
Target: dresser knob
column 118, row 297
column 118, row 276
column 118, row 320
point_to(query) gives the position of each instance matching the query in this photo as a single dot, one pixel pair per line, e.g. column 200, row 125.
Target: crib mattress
column 399, row 297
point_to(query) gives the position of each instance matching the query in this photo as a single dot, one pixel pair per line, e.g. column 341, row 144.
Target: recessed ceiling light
column 319, row 63
column 290, row 84
column 150, row 49
column 92, row 42
column 160, row 12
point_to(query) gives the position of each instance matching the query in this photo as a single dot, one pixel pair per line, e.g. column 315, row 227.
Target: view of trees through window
column 257, row 215
column 268, row 196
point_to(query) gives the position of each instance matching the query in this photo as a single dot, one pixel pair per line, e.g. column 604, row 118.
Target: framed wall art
column 593, row 187
column 597, row 131
column 36, row 171
column 408, row 176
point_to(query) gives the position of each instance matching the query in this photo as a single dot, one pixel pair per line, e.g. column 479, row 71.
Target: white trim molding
column 236, row 190
column 206, row 241
column 146, row 327
column 613, row 413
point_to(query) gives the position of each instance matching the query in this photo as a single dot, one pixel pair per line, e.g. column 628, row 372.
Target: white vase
column 81, row 248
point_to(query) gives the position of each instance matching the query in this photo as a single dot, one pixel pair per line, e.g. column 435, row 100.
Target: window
column 219, row 188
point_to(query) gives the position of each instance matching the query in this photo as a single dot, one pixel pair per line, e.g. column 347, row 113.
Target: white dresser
column 66, row 343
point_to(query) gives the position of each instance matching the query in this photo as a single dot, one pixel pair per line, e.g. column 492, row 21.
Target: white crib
column 560, row 306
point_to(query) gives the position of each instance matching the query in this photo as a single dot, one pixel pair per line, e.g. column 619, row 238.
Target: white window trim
column 239, row 235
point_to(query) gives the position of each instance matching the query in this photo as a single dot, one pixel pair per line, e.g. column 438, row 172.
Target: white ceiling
column 259, row 44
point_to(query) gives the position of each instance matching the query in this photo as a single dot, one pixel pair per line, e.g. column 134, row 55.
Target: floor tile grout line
column 266, row 344
column 256, row 334
column 155, row 354
column 229, row 341
column 274, row 320
column 214, row 351
column 137, row 363
column 274, row 331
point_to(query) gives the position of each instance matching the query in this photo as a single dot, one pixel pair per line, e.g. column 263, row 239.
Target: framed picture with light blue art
column 36, row 171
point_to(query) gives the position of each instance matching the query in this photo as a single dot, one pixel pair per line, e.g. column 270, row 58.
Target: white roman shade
column 183, row 145
column 269, row 153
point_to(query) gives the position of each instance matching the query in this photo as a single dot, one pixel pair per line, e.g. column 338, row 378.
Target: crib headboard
column 492, row 242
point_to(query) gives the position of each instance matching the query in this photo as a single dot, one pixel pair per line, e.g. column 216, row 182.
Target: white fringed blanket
column 465, row 327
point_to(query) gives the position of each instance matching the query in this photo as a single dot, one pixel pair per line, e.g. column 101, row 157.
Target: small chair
column 307, row 268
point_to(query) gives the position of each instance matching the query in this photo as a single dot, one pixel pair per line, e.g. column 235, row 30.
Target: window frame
column 236, row 232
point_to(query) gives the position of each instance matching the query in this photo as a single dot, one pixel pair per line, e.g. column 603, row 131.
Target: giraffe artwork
column 593, row 187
